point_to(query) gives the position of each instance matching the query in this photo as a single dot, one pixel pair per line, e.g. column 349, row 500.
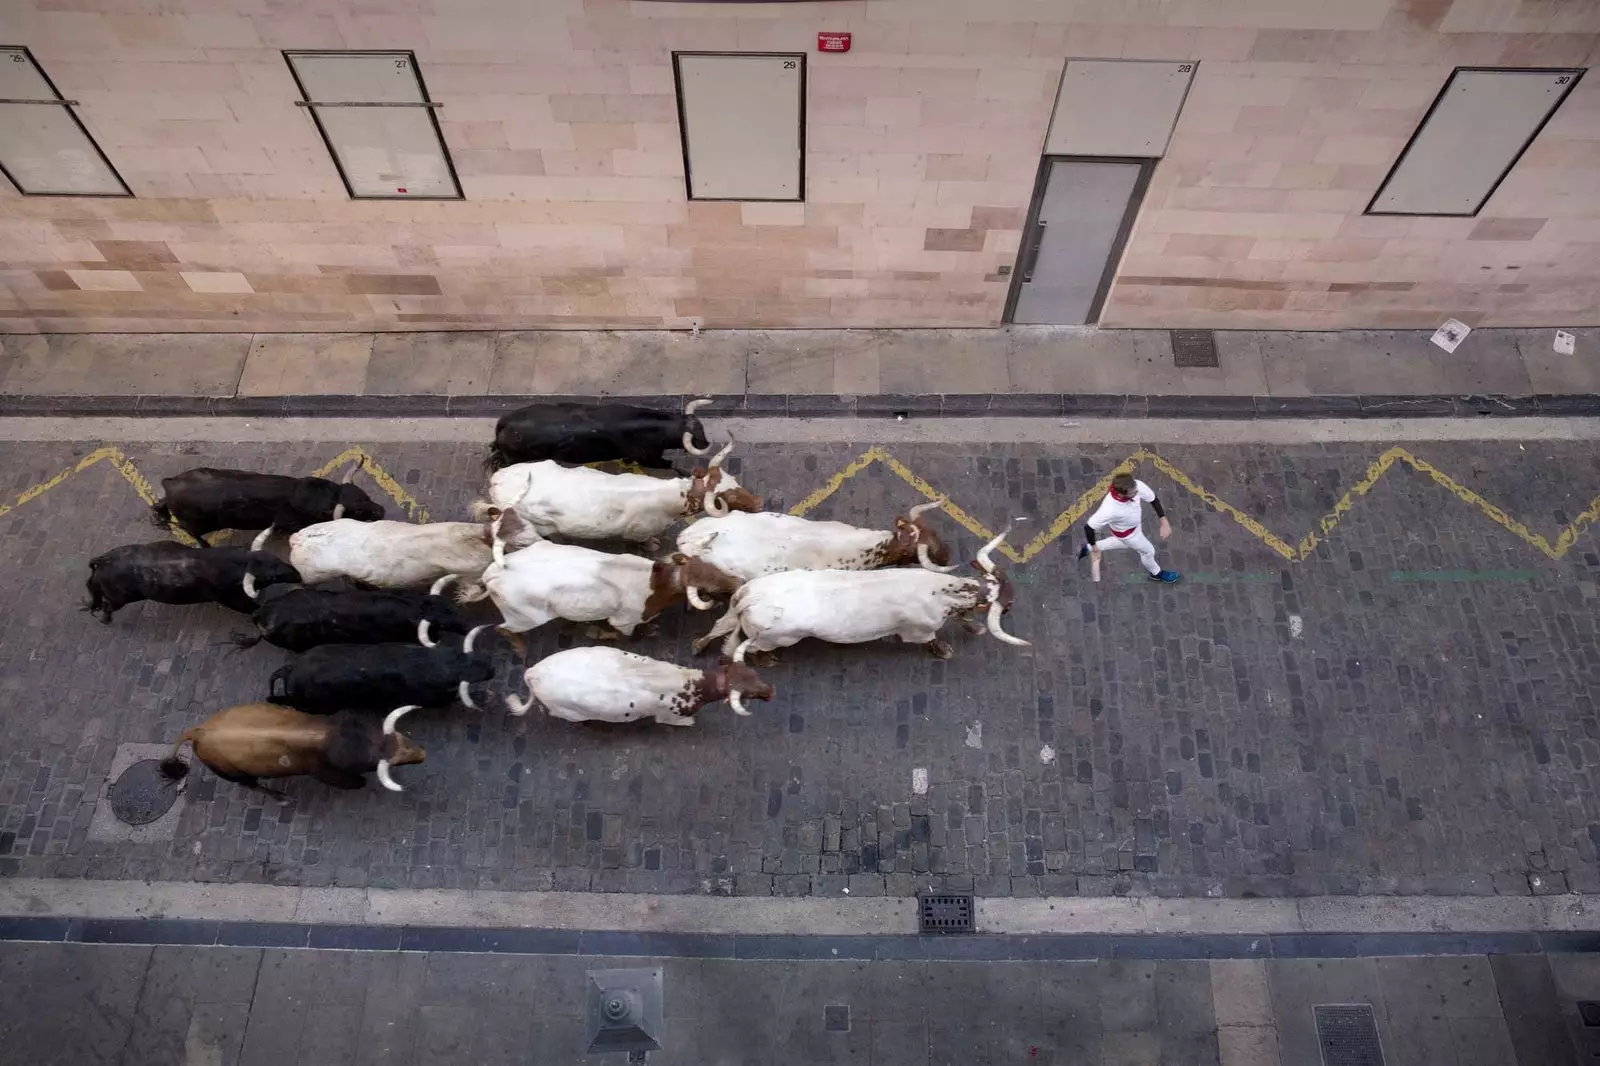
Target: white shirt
column 1119, row 516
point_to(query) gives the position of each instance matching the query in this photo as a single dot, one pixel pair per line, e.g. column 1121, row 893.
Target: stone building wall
column 923, row 146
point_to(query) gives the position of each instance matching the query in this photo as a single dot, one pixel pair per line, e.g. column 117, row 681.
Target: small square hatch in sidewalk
column 1347, row 1033
column 1194, row 348
column 945, row 912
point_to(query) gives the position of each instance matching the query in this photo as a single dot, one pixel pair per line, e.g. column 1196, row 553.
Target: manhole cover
column 141, row 794
column 1194, row 347
column 947, row 912
column 1348, row 1035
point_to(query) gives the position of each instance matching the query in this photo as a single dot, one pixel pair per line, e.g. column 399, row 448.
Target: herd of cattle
column 361, row 599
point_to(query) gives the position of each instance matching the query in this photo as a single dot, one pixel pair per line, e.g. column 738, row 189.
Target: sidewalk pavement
column 894, row 366
column 150, row 1004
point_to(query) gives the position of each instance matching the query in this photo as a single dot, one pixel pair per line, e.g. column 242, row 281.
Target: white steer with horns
column 852, row 607
column 585, row 504
column 752, row 545
column 611, row 685
column 546, row 581
column 389, row 554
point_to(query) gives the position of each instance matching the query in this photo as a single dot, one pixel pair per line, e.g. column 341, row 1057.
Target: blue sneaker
column 1083, row 552
column 1166, row 577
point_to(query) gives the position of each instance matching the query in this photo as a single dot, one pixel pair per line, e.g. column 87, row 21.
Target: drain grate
column 1348, row 1035
column 1194, row 347
column 945, row 912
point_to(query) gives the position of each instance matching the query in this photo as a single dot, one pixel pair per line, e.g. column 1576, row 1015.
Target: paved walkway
column 901, row 364
column 1378, row 678
column 368, row 976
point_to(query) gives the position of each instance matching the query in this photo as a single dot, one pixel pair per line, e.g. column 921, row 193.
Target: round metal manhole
column 142, row 794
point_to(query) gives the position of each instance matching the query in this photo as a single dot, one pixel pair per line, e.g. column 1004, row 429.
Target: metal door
column 1070, row 249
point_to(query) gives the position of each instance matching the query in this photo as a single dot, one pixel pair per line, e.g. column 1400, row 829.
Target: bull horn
column 994, row 625
column 716, row 460
column 699, row 602
column 338, row 511
column 983, row 552
column 516, row 706
column 350, row 475
column 472, row 634
column 926, row 559
column 261, row 540
column 395, row 716
column 422, row 634
column 499, row 548
column 736, row 701
column 464, row 692
column 924, row 508
column 440, row 585
column 383, row 777
column 694, row 405
column 688, row 438
column 738, row 653
column 250, row 585
column 712, row 504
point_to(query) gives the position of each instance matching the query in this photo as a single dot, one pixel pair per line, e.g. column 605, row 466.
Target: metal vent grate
column 1348, row 1035
column 946, row 912
column 1194, row 347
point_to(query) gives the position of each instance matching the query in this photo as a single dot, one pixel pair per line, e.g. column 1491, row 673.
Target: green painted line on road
column 1464, row 575
column 1242, row 577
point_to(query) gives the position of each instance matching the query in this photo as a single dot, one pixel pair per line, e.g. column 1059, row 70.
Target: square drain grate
column 1194, row 347
column 945, row 912
column 1348, row 1035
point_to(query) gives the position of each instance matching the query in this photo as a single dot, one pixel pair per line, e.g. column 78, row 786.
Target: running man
column 1120, row 515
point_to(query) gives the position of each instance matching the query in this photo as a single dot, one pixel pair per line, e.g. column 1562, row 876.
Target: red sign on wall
column 833, row 42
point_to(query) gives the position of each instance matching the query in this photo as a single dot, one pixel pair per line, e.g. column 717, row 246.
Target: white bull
column 389, row 554
column 546, row 581
column 752, row 545
column 610, row 685
column 852, row 607
column 586, row 504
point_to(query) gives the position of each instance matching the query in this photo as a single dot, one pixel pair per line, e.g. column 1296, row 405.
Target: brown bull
column 255, row 740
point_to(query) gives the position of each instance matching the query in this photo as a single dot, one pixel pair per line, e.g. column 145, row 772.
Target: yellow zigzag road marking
column 1062, row 523
column 1291, row 552
column 141, row 485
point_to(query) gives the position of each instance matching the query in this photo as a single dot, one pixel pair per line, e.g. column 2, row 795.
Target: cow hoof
column 600, row 633
column 941, row 649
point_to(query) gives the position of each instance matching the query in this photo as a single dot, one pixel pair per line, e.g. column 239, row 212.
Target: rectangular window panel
column 743, row 123
column 1476, row 130
column 373, row 112
column 44, row 149
column 1118, row 107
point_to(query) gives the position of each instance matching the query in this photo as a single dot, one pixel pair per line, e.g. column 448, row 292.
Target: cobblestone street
column 1405, row 702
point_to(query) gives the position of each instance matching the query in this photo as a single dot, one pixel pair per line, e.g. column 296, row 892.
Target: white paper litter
column 1565, row 343
column 1450, row 335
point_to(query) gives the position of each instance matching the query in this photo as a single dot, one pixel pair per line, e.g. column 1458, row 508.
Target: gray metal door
column 1077, row 234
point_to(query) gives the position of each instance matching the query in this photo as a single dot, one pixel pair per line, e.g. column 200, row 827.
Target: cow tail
column 160, row 516
column 172, row 767
column 244, row 640
column 472, row 593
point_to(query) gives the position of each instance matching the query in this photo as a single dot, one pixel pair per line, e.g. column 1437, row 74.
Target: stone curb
column 795, row 405
column 41, row 899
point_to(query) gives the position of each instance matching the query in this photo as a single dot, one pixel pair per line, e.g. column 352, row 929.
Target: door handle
column 1033, row 251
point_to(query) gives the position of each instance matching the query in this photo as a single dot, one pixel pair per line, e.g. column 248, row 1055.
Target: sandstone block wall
column 923, row 148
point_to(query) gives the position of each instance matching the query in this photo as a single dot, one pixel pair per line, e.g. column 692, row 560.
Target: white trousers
column 1105, row 540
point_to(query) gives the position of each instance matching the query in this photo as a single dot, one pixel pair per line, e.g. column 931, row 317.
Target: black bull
column 379, row 677
column 168, row 572
column 300, row 618
column 578, row 433
column 205, row 500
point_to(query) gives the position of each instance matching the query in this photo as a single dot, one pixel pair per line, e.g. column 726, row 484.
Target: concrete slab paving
column 818, row 362
column 114, row 364
column 306, row 364
column 419, row 364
